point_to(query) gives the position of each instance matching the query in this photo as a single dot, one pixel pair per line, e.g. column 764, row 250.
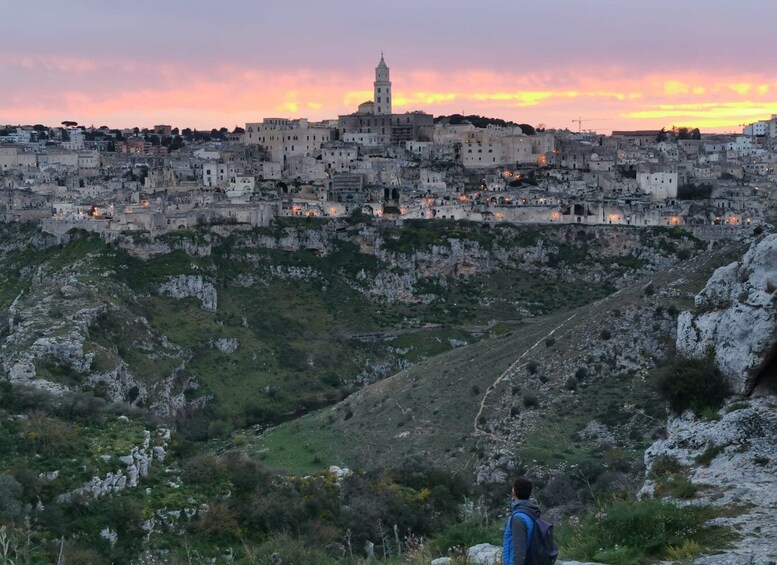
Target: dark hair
column 522, row 488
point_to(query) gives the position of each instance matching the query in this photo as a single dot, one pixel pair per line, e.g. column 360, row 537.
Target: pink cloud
column 132, row 92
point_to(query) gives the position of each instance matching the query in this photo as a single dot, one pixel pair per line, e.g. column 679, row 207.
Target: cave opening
column 765, row 382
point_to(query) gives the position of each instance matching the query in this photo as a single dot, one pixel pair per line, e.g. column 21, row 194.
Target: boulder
column 442, row 561
column 484, row 554
column 736, row 318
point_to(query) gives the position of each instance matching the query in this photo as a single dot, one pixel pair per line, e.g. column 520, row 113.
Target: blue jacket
column 518, row 532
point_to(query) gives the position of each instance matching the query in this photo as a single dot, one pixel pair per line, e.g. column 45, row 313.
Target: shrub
column 219, row 429
column 663, row 466
column 515, row 410
column 204, row 468
column 677, row 487
column 530, row 400
column 51, row 436
column 571, row 383
column 709, row 454
column 11, row 508
column 550, row 342
column 532, row 367
column 605, row 334
column 581, row 374
column 475, row 390
column 695, row 384
column 465, row 534
column 650, row 289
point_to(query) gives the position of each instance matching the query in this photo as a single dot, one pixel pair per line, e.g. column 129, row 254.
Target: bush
column 663, row 466
column 532, row 367
column 695, row 384
column 550, row 342
column 530, row 400
column 709, row 454
column 11, row 508
column 465, row 534
column 677, row 487
column 581, row 374
column 605, row 334
column 51, row 436
column 571, row 383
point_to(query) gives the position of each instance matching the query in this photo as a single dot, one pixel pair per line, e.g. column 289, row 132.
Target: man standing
column 520, row 525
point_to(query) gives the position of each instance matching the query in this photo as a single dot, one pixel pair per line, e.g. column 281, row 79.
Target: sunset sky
column 617, row 63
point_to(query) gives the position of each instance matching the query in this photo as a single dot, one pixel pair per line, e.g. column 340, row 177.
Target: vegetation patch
column 695, row 384
column 630, row 532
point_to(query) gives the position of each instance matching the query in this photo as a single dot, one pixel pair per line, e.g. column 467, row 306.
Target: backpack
column 542, row 548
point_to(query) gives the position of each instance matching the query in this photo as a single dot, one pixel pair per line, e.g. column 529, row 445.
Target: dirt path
column 510, row 371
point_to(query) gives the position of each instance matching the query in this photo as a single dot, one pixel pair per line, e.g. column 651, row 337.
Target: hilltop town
column 380, row 163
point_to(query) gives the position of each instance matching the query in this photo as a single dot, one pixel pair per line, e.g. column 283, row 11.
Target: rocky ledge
column 736, row 320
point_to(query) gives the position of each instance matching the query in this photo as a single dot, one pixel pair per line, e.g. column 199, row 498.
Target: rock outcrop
column 191, row 286
column 736, row 317
column 733, row 463
column 137, row 464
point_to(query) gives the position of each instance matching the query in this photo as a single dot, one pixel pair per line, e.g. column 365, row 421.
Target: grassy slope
column 430, row 410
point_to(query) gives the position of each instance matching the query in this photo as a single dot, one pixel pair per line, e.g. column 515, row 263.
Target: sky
column 615, row 64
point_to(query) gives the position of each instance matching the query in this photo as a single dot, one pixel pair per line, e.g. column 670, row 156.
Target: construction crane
column 579, row 123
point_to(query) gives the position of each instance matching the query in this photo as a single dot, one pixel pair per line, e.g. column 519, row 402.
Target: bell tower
column 382, row 87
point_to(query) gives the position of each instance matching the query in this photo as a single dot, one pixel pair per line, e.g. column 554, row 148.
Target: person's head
column 522, row 488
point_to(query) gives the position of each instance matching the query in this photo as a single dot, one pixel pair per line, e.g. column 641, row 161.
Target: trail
column 510, row 371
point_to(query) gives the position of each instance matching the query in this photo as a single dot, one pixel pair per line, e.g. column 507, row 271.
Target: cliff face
column 736, row 317
column 730, row 459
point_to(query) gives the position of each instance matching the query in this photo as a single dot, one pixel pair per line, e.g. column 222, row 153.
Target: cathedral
column 382, row 88
column 374, row 123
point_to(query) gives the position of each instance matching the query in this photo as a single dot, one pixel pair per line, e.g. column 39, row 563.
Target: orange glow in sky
column 615, row 64
column 233, row 95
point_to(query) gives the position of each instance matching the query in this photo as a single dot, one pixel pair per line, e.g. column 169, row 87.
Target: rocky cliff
column 729, row 459
column 736, row 320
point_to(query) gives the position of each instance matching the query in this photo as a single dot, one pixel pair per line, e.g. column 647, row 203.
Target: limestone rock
column 442, row 561
column 742, row 471
column 736, row 316
column 159, row 453
column 191, row 286
column 484, row 554
column 110, row 535
column 225, row 345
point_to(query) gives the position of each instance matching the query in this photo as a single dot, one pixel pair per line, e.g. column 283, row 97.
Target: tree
column 176, row 143
column 69, row 124
column 661, row 135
